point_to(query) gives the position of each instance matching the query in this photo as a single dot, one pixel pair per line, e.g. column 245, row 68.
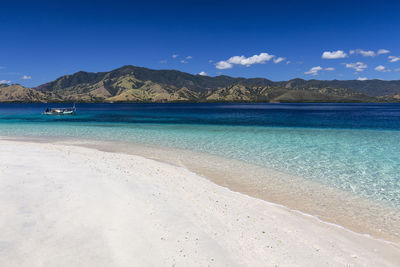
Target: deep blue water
column 354, row 147
column 353, row 116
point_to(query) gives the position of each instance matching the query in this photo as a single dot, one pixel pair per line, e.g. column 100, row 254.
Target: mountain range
column 138, row 84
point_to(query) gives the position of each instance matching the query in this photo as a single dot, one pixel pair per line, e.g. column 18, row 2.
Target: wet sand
column 326, row 203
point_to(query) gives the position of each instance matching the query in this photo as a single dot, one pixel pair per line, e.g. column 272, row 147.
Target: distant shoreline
column 201, row 102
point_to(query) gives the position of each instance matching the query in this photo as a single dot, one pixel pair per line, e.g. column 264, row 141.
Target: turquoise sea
column 352, row 147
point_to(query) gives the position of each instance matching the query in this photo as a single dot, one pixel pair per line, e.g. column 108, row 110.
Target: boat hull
column 59, row 113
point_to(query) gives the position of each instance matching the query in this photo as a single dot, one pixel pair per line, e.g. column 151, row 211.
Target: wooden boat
column 60, row 111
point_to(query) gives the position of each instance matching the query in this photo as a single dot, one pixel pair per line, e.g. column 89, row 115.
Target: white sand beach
column 74, row 206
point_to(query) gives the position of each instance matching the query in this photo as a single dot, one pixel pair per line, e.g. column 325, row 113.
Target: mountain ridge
column 138, row 84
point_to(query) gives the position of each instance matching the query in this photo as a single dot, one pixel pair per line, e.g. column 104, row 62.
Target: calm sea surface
column 354, row 147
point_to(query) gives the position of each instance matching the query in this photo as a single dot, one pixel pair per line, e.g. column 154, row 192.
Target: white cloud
column 369, row 53
column 382, row 68
column 210, row 61
column 278, row 59
column 26, row 77
column 163, row 61
column 183, row 61
column 382, row 51
column 175, row 56
column 189, row 57
column 223, row 65
column 364, row 53
column 244, row 61
column 362, row 78
column 247, row 61
column 358, row 66
column 4, row 81
column 314, row 70
column 398, row 69
column 203, row 73
column 393, row 58
column 288, row 62
column 334, row 54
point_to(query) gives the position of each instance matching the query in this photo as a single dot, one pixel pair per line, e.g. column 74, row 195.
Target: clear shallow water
column 354, row 147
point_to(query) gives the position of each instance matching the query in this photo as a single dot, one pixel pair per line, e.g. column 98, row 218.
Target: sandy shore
column 73, row 206
column 332, row 205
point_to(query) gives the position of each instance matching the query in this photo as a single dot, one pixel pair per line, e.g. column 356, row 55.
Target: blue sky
column 278, row 40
